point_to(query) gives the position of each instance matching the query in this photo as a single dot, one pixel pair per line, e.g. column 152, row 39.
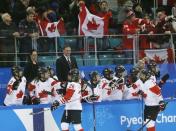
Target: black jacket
column 30, row 71
column 63, row 67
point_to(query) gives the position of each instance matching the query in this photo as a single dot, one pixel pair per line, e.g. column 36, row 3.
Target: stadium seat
column 72, row 42
column 115, row 42
column 89, row 60
column 119, row 58
column 47, row 60
column 79, row 60
column 106, row 59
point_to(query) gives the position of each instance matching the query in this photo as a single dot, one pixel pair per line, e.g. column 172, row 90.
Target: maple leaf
column 92, row 25
column 43, row 94
column 52, row 28
column 158, row 60
column 20, row 94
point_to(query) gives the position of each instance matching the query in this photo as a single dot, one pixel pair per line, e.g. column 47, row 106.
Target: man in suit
column 65, row 63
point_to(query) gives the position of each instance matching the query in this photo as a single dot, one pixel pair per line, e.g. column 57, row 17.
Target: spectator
column 65, row 63
column 163, row 27
column 29, row 30
column 31, row 67
column 106, row 14
column 19, row 10
column 7, row 6
column 42, row 19
column 130, row 27
column 72, row 20
column 138, row 10
column 128, row 5
column 8, row 31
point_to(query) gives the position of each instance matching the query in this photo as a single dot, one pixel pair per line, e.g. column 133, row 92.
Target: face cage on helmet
column 109, row 76
column 75, row 78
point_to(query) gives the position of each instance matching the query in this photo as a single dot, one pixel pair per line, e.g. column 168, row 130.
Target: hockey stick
column 141, row 128
column 39, row 112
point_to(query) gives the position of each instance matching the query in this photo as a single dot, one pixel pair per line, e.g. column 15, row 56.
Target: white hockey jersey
column 15, row 97
column 153, row 93
column 45, row 91
column 153, row 78
column 132, row 92
column 72, row 98
column 117, row 92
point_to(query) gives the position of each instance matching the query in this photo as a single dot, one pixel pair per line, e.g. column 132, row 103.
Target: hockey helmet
column 134, row 71
column 119, row 70
column 74, row 74
column 144, row 75
column 94, row 76
column 43, row 73
column 108, row 73
column 17, row 71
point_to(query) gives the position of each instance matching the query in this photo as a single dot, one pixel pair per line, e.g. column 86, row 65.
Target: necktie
column 68, row 60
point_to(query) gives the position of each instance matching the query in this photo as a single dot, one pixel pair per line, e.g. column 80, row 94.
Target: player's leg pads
column 65, row 126
column 151, row 125
column 151, row 129
column 78, row 127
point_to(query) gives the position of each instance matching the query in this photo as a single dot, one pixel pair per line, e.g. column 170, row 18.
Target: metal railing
column 88, row 50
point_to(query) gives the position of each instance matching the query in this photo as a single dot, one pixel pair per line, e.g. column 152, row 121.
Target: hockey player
column 95, row 86
column 155, row 73
column 119, row 79
column 42, row 90
column 153, row 100
column 133, row 85
column 110, row 86
column 133, row 76
column 15, row 87
column 105, row 85
column 72, row 101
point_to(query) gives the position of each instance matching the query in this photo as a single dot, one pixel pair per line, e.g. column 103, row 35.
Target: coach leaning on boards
column 65, row 63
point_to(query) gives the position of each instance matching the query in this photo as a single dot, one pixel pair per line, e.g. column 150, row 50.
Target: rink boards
column 109, row 116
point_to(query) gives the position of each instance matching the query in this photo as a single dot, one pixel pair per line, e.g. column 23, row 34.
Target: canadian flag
column 160, row 56
column 89, row 24
column 52, row 29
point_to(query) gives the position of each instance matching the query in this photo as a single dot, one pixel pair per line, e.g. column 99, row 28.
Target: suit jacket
column 63, row 67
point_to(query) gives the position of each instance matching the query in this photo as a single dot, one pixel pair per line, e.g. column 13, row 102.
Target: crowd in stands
column 26, row 20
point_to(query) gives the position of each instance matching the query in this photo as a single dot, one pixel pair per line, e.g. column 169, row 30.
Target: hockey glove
column 112, row 85
column 47, row 92
column 61, row 91
column 54, row 105
column 94, row 97
column 140, row 92
column 36, row 101
column 27, row 100
column 162, row 105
